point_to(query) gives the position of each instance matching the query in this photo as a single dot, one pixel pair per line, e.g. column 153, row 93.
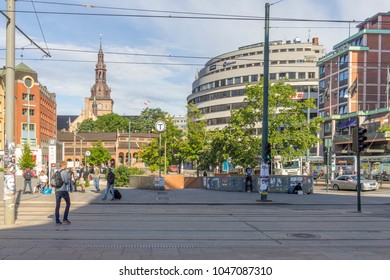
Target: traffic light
column 326, row 157
column 268, row 153
column 358, row 139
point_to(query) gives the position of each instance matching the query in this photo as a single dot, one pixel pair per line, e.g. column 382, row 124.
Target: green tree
column 150, row 155
column 146, row 121
column 288, row 131
column 27, row 159
column 195, row 140
column 170, row 143
column 111, row 123
column 87, row 125
column 99, row 154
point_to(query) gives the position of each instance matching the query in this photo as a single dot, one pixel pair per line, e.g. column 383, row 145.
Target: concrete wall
column 280, row 184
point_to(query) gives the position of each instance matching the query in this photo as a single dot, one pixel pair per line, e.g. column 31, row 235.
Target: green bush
column 122, row 174
column 1, row 169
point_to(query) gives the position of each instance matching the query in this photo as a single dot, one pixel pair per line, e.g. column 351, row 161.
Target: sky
column 151, row 55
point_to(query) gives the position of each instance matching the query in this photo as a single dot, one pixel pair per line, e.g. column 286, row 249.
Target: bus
column 298, row 166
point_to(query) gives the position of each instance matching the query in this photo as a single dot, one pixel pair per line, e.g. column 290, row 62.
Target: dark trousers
column 65, row 196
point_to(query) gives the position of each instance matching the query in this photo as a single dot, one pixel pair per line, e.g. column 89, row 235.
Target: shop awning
column 351, row 122
column 342, row 125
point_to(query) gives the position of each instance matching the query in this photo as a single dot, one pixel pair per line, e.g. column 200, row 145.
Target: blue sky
column 71, row 74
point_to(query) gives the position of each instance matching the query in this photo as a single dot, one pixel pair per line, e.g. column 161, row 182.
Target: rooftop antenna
column 308, row 38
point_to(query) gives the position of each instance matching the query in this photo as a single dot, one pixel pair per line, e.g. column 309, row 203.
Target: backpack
column 56, row 180
column 27, row 175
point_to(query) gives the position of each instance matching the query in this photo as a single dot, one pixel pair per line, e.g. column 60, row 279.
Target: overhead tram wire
column 40, row 27
column 135, row 9
column 237, row 18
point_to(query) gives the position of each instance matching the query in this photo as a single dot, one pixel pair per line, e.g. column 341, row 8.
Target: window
column 272, row 76
column 302, row 75
column 254, row 78
column 282, row 75
column 245, row 79
column 25, row 112
column 344, row 59
column 322, row 69
column 292, row 75
column 237, row 80
column 311, row 75
column 343, row 93
column 223, row 83
column 343, row 76
column 230, row 81
column 25, row 97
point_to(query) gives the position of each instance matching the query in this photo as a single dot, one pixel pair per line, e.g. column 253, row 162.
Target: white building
column 219, row 86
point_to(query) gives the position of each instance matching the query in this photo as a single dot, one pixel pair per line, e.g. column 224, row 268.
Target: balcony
column 373, row 136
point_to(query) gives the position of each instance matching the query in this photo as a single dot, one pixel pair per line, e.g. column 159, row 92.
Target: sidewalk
column 199, row 224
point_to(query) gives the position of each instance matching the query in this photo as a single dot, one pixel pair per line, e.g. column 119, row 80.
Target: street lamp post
column 128, row 156
column 9, row 148
column 28, row 83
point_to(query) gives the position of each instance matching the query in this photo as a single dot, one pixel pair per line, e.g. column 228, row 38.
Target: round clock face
column 100, row 106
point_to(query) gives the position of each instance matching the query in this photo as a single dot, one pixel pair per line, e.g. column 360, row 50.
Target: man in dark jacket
column 110, row 185
column 63, row 192
column 27, row 175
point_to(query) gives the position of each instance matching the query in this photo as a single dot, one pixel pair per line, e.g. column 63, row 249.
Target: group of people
column 69, row 179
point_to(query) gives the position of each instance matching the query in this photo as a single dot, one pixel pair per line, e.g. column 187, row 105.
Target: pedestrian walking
column 72, row 180
column 27, row 175
column 110, row 185
column 96, row 177
column 82, row 173
column 63, row 193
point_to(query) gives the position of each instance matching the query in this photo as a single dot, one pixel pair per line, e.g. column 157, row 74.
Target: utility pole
column 308, row 122
column 9, row 158
column 128, row 156
column 264, row 167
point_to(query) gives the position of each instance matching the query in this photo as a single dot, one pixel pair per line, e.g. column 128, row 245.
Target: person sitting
column 42, row 182
column 297, row 188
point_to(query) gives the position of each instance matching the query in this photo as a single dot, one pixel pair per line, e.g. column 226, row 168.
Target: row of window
column 261, row 52
column 223, row 107
column 253, row 79
column 342, row 109
column 342, row 61
column 218, row 95
column 227, row 82
column 342, row 94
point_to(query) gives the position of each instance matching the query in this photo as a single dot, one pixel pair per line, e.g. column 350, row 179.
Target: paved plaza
column 199, row 224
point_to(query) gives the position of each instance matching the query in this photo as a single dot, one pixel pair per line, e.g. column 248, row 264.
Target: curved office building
column 219, row 86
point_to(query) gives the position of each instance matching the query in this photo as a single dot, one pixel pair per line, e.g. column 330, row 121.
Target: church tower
column 100, row 102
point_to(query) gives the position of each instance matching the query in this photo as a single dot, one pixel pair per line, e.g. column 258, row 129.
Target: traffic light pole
column 359, row 187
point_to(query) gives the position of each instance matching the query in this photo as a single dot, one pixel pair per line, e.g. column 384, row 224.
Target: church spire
column 101, row 66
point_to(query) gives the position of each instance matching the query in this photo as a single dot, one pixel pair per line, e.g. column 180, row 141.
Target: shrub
column 122, row 173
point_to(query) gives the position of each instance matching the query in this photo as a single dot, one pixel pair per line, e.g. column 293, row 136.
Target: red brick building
column 35, row 113
column 353, row 81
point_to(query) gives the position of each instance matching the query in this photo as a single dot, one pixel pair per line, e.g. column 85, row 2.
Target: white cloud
column 165, row 86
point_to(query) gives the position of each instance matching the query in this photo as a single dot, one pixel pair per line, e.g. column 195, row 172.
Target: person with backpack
column 27, row 175
column 110, row 185
column 62, row 192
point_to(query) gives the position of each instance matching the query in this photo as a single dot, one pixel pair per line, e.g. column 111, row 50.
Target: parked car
column 349, row 182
